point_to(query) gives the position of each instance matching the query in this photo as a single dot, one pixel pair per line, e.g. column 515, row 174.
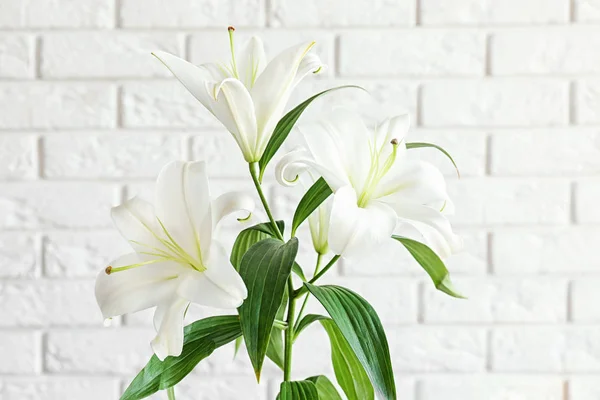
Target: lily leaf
column 298, row 390
column 325, row 388
column 317, row 194
column 285, row 125
column 305, row 322
column 275, row 350
column 248, row 237
column 200, row 340
column 265, row 269
column 417, row 145
column 432, row 264
column 360, row 326
column 349, row 372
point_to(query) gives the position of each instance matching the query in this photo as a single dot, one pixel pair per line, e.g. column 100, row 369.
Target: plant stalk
column 254, row 173
column 171, row 393
column 330, row 264
column 319, row 258
column 289, row 333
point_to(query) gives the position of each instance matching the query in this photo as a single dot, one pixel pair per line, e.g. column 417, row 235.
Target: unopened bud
column 394, row 141
column 230, row 28
column 108, row 270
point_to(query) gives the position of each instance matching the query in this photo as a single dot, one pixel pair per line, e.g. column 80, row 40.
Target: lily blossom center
column 377, row 171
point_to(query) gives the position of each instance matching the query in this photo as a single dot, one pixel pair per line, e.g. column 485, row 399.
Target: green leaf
column 285, row 125
column 265, row 269
column 359, row 324
column 200, row 340
column 417, row 145
column 317, row 194
column 325, row 388
column 238, row 345
column 297, row 269
column 298, row 390
column 432, row 264
column 275, row 350
column 306, row 321
column 248, row 237
column 349, row 372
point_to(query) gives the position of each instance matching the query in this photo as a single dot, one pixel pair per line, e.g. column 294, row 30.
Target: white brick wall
column 511, row 88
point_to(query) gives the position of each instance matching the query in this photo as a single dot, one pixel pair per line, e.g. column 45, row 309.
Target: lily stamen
column 111, row 270
column 230, row 30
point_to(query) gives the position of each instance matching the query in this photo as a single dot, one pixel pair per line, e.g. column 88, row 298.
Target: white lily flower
column 377, row 189
column 248, row 96
column 176, row 260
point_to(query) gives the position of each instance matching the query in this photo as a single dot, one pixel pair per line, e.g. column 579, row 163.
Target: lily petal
column 355, row 231
column 272, row 89
column 229, row 203
column 389, row 129
column 195, row 79
column 233, row 106
column 297, row 161
column 183, row 206
column 136, row 222
column 224, row 275
column 251, row 61
column 168, row 320
column 135, row 289
column 199, row 289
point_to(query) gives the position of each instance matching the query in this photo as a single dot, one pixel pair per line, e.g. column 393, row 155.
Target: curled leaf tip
column 245, row 218
column 108, row 270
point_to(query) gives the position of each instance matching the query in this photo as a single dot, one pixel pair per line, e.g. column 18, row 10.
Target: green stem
column 289, row 333
column 315, row 278
column 254, row 173
column 171, row 392
column 319, row 258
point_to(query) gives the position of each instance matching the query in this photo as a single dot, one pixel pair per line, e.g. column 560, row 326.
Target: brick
column 105, row 54
column 48, row 303
column 483, row 201
column 499, row 300
column 545, row 51
column 222, row 388
column 19, row 353
column 499, row 102
column 63, row 205
column 54, row 388
column 480, row 387
column 289, row 13
column 393, row 259
column 213, row 46
column 407, row 53
column 16, row 56
column 221, row 152
column 109, row 156
column 584, row 294
column 18, row 256
column 468, row 149
column 18, row 155
column 546, row 152
column 81, row 254
column 584, row 388
column 448, row 349
column 186, row 14
column 380, row 98
column 545, row 251
column 109, row 351
column 587, row 102
column 587, row 195
column 587, row 11
column 56, row 14
column 462, row 12
column 65, row 105
column 573, row 349
column 163, row 105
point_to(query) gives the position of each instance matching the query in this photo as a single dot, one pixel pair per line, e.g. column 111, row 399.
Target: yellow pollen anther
column 108, row 270
column 230, row 28
column 394, row 141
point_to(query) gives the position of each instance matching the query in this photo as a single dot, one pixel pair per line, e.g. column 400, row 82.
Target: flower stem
column 319, row 258
column 171, row 393
column 289, row 333
column 254, row 174
column 330, row 264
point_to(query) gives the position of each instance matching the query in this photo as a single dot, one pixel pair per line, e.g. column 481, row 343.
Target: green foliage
column 265, row 269
column 248, row 237
column 432, row 264
column 317, row 194
column 305, row 322
column 300, row 390
column 360, row 326
column 200, row 340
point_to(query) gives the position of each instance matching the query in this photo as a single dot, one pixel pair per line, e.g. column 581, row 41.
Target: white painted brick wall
column 511, row 88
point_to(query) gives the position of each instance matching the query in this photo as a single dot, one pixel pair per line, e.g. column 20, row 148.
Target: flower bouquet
column 362, row 190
